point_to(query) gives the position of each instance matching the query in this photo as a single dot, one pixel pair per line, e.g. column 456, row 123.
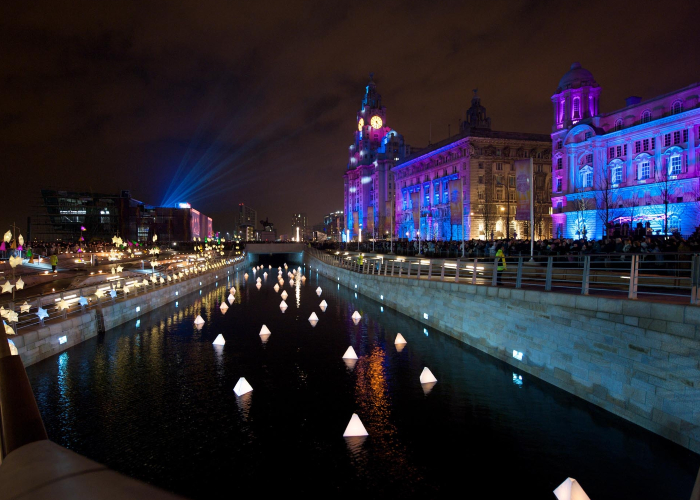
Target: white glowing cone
column 324, row 303
column 219, row 340
column 355, row 427
column 259, row 280
column 399, row 339
column 313, row 317
column 231, row 298
column 269, row 266
column 242, row 387
column 245, row 276
column 283, row 305
column 265, row 330
column 264, row 338
column 276, row 287
column 427, row 377
column 291, row 282
column 279, row 268
column 350, row 354
column 265, row 275
column 223, row 307
column 570, row 489
column 258, row 286
column 356, row 315
column 318, row 291
column 284, row 295
column 198, row 320
column 294, row 271
column 303, row 278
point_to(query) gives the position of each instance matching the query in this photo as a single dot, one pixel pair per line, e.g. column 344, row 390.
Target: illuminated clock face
column 376, row 122
column 360, row 124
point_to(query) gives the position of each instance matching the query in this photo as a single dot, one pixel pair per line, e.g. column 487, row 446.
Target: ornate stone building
column 633, row 167
column 479, row 162
column 368, row 181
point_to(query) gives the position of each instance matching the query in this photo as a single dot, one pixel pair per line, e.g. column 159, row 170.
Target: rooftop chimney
column 632, row 100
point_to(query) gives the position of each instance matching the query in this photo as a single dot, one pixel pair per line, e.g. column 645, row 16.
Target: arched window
column 674, row 165
column 587, row 177
column 646, row 116
column 676, row 108
column 616, row 174
column 618, row 125
column 577, row 109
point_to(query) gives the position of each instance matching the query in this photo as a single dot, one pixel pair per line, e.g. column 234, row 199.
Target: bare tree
column 607, row 198
column 582, row 204
column 632, row 206
column 667, row 190
column 487, row 212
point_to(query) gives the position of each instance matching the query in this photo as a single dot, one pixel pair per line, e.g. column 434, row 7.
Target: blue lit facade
column 633, row 167
column 479, row 162
column 368, row 183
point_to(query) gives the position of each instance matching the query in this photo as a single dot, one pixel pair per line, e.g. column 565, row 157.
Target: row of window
column 644, row 171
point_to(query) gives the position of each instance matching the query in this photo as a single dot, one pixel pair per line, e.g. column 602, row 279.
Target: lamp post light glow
column 359, row 238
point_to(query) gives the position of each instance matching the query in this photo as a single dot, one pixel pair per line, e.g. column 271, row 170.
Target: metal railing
column 670, row 276
column 62, row 305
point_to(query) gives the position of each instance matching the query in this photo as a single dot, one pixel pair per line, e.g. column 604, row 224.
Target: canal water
column 154, row 399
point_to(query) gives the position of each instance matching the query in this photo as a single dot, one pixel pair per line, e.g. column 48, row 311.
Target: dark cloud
column 261, row 96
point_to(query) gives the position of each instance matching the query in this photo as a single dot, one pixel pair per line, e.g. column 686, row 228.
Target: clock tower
column 368, row 181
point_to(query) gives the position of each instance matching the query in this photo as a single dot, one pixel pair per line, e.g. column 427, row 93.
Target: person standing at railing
column 501, row 264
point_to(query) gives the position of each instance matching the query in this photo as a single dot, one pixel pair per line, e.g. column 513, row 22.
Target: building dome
column 575, row 78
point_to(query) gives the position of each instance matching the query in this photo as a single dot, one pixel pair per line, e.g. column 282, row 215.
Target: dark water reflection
column 154, row 399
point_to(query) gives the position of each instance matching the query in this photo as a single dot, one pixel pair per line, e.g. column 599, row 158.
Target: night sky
column 259, row 99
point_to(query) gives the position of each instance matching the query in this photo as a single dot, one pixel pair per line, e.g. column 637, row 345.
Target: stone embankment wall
column 636, row 359
column 43, row 342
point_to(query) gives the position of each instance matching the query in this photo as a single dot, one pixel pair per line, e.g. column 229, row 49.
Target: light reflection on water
column 156, row 402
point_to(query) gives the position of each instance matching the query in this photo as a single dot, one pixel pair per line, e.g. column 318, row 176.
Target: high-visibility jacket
column 502, row 262
column 54, row 260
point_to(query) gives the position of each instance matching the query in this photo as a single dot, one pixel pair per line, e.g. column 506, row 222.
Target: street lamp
column 359, row 238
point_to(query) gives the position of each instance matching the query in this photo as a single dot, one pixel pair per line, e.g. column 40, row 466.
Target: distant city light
column 184, row 205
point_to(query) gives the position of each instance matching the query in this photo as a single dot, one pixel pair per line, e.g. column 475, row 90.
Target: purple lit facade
column 368, row 180
column 634, row 168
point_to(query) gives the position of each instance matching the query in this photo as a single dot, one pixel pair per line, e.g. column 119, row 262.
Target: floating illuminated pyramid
column 427, row 377
column 219, row 340
column 400, row 339
column 356, row 315
column 242, row 387
column 355, row 427
column 570, row 490
column 198, row 320
column 265, row 330
column 350, row 353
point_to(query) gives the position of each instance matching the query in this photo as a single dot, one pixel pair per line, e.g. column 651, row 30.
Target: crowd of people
column 515, row 247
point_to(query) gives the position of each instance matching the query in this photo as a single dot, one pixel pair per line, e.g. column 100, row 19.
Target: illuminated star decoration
column 8, row 329
column 24, row 308
column 7, row 287
column 126, row 290
column 99, row 293
column 15, row 261
column 42, row 313
column 3, row 312
column 12, row 317
column 63, row 304
column 20, row 284
column 119, row 269
column 8, row 237
column 113, row 293
column 83, row 301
